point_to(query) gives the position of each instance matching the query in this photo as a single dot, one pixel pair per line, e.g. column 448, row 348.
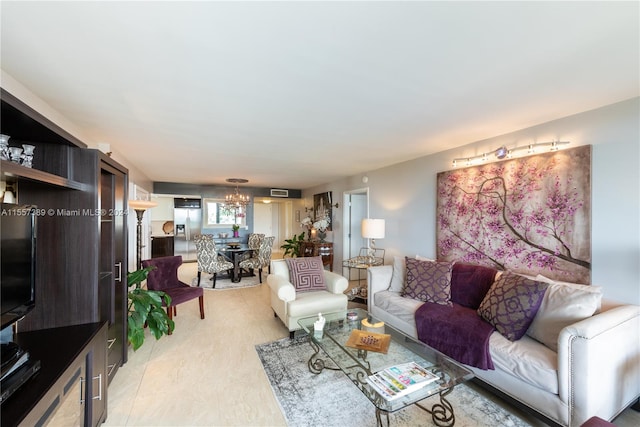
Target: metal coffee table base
column 316, row 364
column 441, row 413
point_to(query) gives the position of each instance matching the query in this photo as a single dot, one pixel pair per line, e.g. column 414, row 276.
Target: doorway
column 356, row 204
column 268, row 219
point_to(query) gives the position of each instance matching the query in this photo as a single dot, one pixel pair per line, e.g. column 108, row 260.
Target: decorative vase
column 27, row 155
column 16, row 154
column 236, row 233
column 4, row 147
column 322, row 235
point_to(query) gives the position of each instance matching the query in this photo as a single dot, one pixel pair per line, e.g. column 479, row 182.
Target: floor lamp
column 140, row 206
column 372, row 229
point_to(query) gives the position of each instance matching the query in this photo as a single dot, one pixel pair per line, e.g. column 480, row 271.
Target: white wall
column 15, row 88
column 405, row 194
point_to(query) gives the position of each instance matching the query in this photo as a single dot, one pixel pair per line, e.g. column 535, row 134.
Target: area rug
column 330, row 399
column 224, row 283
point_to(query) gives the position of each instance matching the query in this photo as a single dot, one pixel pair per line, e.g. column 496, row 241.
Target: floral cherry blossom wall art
column 530, row 215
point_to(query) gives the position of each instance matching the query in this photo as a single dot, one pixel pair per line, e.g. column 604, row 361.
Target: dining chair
column 164, row 277
column 261, row 259
column 254, row 240
column 209, row 261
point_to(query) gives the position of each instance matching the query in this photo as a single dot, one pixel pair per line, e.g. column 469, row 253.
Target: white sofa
column 290, row 306
column 595, row 372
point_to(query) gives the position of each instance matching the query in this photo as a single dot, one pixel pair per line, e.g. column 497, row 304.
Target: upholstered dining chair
column 209, row 261
column 261, row 259
column 254, row 240
column 164, row 277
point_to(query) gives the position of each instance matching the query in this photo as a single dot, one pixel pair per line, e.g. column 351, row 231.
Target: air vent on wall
column 275, row 192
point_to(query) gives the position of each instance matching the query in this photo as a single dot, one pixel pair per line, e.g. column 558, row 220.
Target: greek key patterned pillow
column 511, row 304
column 306, row 273
column 428, row 281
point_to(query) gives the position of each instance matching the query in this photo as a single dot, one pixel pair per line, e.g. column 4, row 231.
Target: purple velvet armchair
column 165, row 278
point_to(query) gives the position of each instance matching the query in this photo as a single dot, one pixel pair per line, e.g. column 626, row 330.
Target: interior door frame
column 281, row 219
column 352, row 221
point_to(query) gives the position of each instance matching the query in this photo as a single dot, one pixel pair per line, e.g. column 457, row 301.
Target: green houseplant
column 145, row 308
column 292, row 246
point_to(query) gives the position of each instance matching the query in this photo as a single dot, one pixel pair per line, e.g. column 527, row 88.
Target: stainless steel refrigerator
column 187, row 219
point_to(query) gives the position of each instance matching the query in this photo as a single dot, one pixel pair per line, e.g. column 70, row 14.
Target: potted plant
column 145, row 308
column 236, row 230
column 292, row 246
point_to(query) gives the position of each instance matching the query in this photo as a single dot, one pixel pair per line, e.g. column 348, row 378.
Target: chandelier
column 236, row 200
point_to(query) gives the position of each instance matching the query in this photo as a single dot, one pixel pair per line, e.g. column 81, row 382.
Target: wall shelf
column 21, row 172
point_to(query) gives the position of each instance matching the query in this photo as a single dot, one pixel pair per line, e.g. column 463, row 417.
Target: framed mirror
column 217, row 215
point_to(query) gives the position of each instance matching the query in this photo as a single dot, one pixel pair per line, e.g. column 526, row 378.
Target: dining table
column 235, row 254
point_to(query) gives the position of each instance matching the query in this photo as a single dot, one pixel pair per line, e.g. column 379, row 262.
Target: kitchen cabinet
column 161, row 246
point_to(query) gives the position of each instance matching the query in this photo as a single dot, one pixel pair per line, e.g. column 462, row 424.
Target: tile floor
column 208, row 372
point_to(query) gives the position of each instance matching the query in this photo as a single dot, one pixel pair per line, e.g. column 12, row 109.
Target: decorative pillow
column 306, row 273
column 428, row 281
column 586, row 288
column 398, row 275
column 563, row 304
column 512, row 303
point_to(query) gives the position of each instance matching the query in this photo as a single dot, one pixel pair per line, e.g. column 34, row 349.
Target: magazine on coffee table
column 399, row 380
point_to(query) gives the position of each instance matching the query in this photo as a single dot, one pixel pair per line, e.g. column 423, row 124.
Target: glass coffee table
column 358, row 364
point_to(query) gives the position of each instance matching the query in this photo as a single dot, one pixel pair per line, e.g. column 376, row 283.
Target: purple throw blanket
column 456, row 331
column 470, row 283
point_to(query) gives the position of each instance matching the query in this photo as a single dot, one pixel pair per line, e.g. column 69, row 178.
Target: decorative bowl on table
column 233, row 245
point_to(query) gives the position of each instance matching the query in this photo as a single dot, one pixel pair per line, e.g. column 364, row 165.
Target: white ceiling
column 296, row 94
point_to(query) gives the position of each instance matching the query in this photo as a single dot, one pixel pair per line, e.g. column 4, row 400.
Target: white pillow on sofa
column 563, row 304
column 399, row 275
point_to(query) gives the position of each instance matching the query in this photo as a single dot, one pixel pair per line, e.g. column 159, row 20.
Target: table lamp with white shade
column 372, row 229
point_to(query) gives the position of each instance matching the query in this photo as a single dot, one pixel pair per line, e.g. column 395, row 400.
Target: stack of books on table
column 399, row 380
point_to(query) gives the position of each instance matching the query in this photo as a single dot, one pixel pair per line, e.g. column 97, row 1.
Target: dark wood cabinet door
column 323, row 249
column 113, row 263
column 161, row 246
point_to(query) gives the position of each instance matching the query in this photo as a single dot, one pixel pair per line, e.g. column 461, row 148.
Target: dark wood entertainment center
column 79, row 320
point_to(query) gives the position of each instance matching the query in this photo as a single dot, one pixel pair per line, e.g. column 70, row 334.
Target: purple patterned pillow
column 306, row 273
column 512, row 303
column 428, row 281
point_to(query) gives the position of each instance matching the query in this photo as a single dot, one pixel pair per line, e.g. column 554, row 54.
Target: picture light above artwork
column 504, row 152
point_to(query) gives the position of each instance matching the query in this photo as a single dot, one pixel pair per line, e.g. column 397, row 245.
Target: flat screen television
column 18, row 262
